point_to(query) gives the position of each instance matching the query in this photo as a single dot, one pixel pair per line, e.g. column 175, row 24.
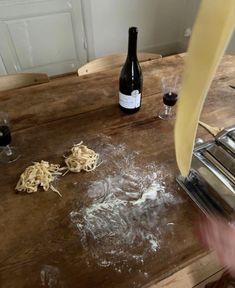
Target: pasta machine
column 211, row 181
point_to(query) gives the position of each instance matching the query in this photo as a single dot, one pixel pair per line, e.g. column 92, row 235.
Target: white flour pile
column 121, row 222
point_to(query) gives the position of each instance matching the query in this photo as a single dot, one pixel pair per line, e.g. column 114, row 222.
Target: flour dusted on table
column 120, row 222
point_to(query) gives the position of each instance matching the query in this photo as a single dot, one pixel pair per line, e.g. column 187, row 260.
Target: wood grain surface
column 39, row 244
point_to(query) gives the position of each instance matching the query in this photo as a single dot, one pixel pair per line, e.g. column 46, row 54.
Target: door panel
column 34, row 49
column 42, row 36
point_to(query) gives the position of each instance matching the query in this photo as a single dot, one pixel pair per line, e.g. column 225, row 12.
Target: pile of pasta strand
column 81, row 158
column 42, row 174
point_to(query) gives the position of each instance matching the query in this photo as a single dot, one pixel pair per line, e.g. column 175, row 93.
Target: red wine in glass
column 7, row 153
column 5, row 135
column 170, row 98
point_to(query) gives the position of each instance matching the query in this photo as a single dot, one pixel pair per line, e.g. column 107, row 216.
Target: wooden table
column 40, row 244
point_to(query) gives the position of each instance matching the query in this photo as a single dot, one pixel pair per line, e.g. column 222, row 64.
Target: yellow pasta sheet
column 211, row 34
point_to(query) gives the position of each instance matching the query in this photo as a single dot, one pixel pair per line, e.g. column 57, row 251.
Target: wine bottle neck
column 132, row 46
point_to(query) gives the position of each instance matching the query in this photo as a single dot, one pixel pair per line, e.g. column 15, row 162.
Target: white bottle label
column 130, row 101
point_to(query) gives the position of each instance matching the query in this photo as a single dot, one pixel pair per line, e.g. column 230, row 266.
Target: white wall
column 191, row 9
column 187, row 20
column 2, row 67
column 161, row 23
column 107, row 22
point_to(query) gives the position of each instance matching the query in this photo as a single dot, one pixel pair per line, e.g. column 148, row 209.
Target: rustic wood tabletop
column 126, row 224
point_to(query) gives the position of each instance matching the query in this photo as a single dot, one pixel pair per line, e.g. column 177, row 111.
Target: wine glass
column 170, row 97
column 7, row 153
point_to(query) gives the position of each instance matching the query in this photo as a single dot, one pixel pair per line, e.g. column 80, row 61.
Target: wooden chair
column 112, row 61
column 21, row 80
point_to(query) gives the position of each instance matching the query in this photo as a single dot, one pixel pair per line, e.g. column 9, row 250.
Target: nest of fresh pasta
column 81, row 158
column 43, row 174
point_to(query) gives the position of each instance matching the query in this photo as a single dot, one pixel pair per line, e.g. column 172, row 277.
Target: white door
column 41, row 36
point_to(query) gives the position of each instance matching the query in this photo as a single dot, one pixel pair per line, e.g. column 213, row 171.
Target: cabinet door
column 41, row 36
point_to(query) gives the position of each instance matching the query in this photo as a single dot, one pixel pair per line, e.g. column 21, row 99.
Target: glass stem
column 8, row 150
column 167, row 110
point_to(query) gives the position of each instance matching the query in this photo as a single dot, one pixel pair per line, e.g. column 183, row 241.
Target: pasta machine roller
column 211, row 181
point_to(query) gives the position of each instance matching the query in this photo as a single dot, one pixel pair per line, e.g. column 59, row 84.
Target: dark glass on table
column 170, row 97
column 7, row 153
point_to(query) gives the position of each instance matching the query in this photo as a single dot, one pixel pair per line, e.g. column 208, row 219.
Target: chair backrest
column 111, row 61
column 8, row 82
